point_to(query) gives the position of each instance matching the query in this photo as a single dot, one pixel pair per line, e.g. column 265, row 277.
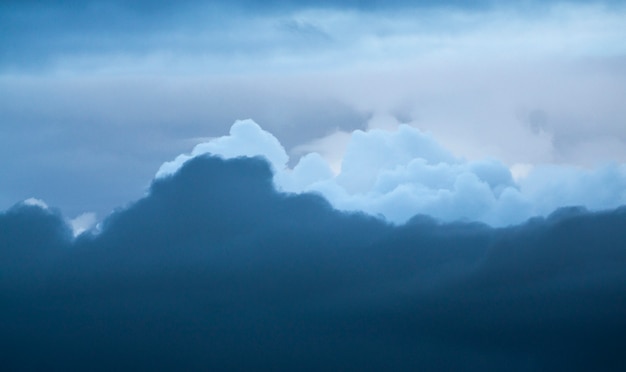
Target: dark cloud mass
column 215, row 270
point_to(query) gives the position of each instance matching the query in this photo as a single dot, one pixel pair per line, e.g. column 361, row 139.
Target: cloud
column 246, row 138
column 36, row 203
column 216, row 269
column 404, row 172
column 116, row 37
column 95, row 90
column 83, row 222
column 30, row 233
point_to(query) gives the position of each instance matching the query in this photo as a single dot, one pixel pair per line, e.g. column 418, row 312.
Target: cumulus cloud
column 216, row 269
column 277, row 263
column 525, row 83
column 403, row 172
column 246, row 138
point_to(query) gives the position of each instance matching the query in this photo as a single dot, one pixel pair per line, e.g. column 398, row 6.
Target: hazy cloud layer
column 93, row 89
column 402, row 172
column 198, row 37
column 215, row 269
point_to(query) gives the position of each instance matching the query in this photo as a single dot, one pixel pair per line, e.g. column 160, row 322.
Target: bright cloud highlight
column 405, row 172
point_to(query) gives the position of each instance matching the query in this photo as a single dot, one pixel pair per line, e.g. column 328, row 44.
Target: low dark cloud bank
column 214, row 270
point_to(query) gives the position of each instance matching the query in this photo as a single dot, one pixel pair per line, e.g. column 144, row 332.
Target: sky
column 95, row 90
column 331, row 183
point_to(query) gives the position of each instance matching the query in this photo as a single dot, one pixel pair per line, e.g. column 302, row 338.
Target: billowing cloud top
column 216, row 269
column 409, row 218
column 93, row 90
column 403, row 172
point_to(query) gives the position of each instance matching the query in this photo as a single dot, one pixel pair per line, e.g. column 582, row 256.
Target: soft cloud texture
column 403, row 172
column 215, row 269
column 110, row 89
column 415, row 112
column 83, row 222
column 115, row 37
column 36, row 203
column 246, row 138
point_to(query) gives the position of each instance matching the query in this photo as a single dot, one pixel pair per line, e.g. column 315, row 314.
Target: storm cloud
column 431, row 185
column 215, row 269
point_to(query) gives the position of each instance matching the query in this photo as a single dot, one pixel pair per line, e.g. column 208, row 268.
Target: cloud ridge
column 403, row 172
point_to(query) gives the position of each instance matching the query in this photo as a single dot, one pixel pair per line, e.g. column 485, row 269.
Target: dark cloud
column 216, row 270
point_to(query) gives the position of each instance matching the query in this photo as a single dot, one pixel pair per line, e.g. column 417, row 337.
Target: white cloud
column 526, row 85
column 34, row 202
column 405, row 172
column 551, row 186
column 246, row 138
column 519, row 171
column 375, row 151
column 332, row 148
column 82, row 223
column 311, row 171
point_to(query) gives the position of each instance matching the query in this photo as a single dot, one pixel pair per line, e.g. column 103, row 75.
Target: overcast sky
column 312, row 185
column 96, row 95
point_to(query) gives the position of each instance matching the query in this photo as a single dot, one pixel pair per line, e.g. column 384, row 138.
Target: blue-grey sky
column 94, row 91
column 312, row 185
